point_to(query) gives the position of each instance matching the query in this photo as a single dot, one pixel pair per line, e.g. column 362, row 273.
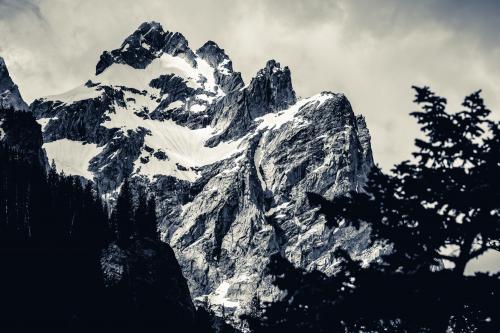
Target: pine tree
column 141, row 214
column 152, row 219
column 145, row 217
column 446, row 199
column 53, row 177
column 123, row 217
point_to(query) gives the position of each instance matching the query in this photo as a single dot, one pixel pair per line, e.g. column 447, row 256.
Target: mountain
column 10, row 97
column 229, row 163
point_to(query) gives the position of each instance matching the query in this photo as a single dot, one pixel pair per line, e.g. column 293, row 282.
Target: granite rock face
column 224, row 76
column 10, row 97
column 229, row 163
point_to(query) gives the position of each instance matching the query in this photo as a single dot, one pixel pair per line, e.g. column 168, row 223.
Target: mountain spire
column 274, row 84
column 217, row 58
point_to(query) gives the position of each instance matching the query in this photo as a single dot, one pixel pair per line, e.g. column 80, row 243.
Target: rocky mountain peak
column 151, row 26
column 10, row 97
column 144, row 45
column 219, row 60
column 272, row 90
column 5, row 80
column 272, row 65
column 212, row 53
column 365, row 141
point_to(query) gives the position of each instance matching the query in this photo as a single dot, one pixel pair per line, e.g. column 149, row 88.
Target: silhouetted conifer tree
column 123, row 215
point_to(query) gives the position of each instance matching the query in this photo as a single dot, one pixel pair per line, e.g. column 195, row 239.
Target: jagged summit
column 229, row 163
column 144, row 45
column 212, row 53
column 217, row 58
column 273, row 65
column 151, row 26
column 277, row 81
column 150, row 43
column 10, row 97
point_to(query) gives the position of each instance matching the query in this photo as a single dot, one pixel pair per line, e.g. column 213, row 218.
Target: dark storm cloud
column 477, row 19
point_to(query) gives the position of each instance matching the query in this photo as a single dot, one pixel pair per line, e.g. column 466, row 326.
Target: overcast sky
column 373, row 51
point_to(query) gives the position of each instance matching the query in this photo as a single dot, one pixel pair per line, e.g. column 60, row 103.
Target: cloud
column 302, row 14
column 9, row 9
column 371, row 51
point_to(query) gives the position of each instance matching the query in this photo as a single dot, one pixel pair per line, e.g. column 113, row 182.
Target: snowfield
column 79, row 93
column 72, row 157
column 181, row 145
column 276, row 120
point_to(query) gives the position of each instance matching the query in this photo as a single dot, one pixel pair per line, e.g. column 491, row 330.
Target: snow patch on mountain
column 201, row 76
column 276, row 120
column 77, row 94
column 124, row 75
column 44, row 122
column 197, row 108
column 182, row 146
column 72, row 157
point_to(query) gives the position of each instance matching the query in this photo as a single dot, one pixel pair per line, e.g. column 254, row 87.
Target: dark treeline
column 54, row 231
column 433, row 215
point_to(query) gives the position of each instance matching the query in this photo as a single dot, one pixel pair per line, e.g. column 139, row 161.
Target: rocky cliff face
column 10, row 97
column 229, row 163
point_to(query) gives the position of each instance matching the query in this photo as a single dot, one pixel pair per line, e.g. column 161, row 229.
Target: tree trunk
column 464, row 256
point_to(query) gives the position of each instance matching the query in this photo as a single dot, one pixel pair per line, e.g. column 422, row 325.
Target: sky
column 372, row 51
